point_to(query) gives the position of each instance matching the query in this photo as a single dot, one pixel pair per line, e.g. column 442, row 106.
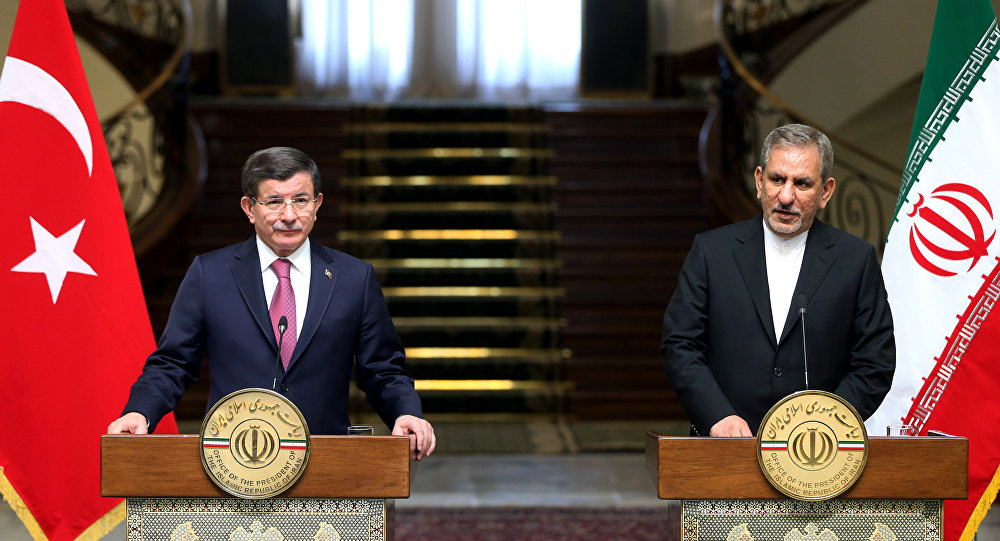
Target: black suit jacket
column 719, row 344
column 220, row 309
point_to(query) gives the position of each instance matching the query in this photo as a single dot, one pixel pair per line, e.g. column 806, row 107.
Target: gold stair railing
column 758, row 38
column 154, row 146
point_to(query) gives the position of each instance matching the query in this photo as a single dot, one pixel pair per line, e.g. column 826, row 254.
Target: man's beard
column 782, row 227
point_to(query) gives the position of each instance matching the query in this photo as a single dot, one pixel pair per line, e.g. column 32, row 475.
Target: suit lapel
column 816, row 264
column 247, row 273
column 322, row 281
column 749, row 257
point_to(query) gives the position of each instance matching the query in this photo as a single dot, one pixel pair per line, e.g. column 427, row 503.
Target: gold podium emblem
column 254, row 443
column 812, row 445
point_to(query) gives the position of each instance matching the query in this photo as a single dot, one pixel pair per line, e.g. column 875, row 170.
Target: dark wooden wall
column 630, row 201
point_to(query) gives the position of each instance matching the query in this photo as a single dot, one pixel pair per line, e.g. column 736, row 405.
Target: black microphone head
column 282, row 324
column 800, row 301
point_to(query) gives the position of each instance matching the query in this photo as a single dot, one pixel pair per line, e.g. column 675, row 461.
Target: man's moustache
column 282, row 226
column 797, row 212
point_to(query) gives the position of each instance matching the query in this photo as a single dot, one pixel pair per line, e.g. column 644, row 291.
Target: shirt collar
column 784, row 246
column 267, row 256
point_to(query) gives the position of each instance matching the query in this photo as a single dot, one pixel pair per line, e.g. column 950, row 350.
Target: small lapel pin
column 327, row 273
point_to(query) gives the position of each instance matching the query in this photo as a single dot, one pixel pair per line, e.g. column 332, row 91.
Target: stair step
column 486, row 370
column 477, row 323
column 447, row 139
column 425, row 127
column 445, row 112
column 449, row 221
column 484, row 337
column 464, row 263
column 489, row 354
column 447, row 207
column 490, row 386
column 448, row 235
column 479, row 293
column 449, row 249
column 445, row 153
column 448, row 180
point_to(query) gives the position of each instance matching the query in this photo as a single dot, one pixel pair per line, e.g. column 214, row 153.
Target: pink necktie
column 283, row 304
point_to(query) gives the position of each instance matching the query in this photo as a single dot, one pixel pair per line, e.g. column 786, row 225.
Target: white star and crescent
column 26, row 83
column 55, row 257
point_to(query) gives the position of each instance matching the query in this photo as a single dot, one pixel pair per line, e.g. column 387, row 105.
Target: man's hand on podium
column 731, row 427
column 130, row 423
column 421, row 433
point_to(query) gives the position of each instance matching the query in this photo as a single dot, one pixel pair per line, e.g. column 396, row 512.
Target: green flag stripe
column 955, row 33
column 931, row 122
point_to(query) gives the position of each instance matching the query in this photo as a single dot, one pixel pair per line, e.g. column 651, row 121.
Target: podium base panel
column 287, row 519
column 793, row 520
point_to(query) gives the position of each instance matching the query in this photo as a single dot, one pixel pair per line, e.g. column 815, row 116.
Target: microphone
column 282, row 326
column 800, row 300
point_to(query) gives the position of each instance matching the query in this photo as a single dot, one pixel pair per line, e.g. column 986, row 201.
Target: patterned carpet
column 529, row 524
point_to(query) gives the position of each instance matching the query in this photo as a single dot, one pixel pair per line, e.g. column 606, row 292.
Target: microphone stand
column 282, row 325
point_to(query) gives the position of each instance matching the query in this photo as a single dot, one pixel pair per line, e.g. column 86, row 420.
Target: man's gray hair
column 799, row 135
column 279, row 163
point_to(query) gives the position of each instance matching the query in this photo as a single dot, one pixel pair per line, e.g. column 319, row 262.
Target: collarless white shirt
column 301, row 260
column 783, row 258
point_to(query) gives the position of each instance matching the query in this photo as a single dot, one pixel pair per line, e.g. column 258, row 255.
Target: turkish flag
column 75, row 327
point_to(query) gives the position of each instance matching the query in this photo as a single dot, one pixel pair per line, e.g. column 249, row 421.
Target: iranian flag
column 75, row 330
column 942, row 257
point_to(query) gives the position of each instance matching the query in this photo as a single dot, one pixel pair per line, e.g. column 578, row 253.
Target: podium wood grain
column 920, row 468
column 162, row 466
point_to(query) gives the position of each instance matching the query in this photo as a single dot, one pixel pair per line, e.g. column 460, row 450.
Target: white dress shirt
column 784, row 261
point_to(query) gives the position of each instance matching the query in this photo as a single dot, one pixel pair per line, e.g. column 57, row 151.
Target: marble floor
column 595, row 479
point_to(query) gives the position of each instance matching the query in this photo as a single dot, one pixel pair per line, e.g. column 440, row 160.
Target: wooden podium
column 344, row 493
column 720, row 492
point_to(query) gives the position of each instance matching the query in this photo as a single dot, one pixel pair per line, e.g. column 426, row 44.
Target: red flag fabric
column 75, row 327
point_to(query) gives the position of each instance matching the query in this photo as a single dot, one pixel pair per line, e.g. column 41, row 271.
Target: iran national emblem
column 954, row 225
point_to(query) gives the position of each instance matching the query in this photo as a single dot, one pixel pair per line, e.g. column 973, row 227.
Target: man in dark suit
column 230, row 305
column 732, row 337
